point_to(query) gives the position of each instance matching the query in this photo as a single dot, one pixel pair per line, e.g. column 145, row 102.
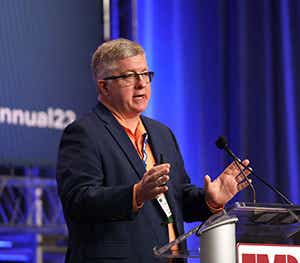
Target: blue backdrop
column 228, row 68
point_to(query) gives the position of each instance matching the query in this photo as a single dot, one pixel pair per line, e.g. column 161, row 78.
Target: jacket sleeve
column 81, row 186
column 193, row 198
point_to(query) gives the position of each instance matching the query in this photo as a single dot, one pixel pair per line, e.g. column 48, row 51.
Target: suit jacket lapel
column 121, row 138
column 125, row 144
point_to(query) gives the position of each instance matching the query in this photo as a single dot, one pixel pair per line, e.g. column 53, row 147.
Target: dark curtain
column 261, row 87
column 228, row 68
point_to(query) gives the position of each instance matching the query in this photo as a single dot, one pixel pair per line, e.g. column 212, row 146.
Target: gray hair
column 107, row 54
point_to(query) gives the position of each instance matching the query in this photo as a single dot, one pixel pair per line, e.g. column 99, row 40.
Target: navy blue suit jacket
column 97, row 168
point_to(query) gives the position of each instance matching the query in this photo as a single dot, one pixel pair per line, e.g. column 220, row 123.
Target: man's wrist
column 213, row 207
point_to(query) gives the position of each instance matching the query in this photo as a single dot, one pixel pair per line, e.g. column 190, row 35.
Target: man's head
column 105, row 58
column 121, row 73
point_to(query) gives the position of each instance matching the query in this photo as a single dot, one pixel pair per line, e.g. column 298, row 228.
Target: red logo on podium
column 267, row 253
column 264, row 258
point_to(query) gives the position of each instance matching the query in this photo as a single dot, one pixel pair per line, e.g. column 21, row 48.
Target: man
column 121, row 177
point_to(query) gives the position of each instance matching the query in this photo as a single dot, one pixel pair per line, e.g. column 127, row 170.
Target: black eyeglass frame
column 150, row 75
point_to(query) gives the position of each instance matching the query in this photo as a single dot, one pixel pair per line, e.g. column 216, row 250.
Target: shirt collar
column 140, row 129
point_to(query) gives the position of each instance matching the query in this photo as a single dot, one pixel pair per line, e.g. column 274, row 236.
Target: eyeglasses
column 131, row 78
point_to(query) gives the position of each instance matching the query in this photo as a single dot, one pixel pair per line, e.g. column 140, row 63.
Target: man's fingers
column 157, row 176
column 158, row 170
column 154, row 181
column 159, row 190
column 244, row 184
column 162, row 180
column 246, row 162
column 244, row 172
column 154, row 192
column 235, row 168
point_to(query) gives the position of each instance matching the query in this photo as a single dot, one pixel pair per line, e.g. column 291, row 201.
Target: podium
column 242, row 223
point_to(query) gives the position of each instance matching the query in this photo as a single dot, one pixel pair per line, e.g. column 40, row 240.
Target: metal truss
column 30, row 204
column 31, row 219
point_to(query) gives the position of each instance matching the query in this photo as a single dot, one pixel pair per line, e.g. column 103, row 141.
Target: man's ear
column 102, row 87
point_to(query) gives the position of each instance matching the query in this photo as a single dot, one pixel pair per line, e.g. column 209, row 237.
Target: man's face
column 128, row 96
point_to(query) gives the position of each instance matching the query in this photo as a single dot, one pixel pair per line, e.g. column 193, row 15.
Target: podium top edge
column 265, row 206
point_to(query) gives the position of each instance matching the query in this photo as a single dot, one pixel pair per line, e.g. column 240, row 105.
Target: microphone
column 223, row 145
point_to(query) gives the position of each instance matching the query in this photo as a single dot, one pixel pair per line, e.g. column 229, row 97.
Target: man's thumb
column 207, row 181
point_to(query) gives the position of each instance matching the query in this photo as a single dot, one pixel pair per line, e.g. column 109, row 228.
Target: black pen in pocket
column 161, row 161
